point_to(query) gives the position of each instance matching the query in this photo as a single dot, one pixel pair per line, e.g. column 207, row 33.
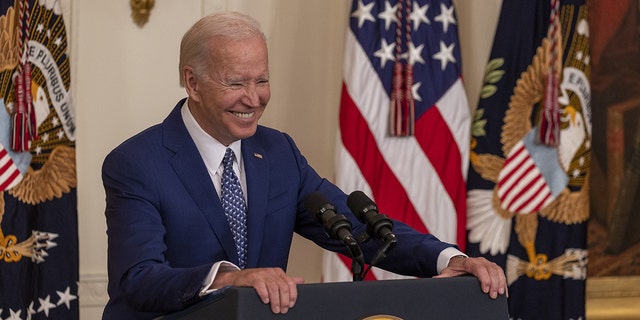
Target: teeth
column 243, row 115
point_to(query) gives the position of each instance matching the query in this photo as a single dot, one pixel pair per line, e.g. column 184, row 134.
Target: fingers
column 491, row 276
column 498, row 281
column 281, row 294
column 272, row 285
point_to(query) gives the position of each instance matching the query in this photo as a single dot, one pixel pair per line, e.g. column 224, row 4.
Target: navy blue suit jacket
column 166, row 226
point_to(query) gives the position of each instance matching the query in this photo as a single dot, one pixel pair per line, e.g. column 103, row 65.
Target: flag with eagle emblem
column 38, row 203
column 527, row 189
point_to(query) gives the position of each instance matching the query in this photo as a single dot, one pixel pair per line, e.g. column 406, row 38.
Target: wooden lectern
column 441, row 299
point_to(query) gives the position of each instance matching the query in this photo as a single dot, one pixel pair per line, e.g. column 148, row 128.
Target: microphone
column 378, row 225
column 337, row 226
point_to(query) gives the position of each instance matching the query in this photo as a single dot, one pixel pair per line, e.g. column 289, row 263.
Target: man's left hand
column 491, row 276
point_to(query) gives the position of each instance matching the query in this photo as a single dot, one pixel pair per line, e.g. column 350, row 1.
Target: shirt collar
column 210, row 149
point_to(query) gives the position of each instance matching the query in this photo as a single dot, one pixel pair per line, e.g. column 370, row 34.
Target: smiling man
column 209, row 199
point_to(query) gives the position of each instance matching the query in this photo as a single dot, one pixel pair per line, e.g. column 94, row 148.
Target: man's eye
column 236, row 85
column 262, row 82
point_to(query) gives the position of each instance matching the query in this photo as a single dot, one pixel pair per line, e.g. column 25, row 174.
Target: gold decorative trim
column 140, row 11
column 613, row 298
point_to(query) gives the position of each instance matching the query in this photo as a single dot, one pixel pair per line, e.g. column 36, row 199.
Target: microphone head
column 315, row 201
column 359, row 204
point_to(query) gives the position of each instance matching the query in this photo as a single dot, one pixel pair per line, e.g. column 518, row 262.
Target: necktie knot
column 228, row 159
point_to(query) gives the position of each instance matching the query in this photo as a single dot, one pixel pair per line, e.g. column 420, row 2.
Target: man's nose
column 251, row 95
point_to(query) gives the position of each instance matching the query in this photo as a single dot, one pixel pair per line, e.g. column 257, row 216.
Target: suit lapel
column 190, row 169
column 257, row 175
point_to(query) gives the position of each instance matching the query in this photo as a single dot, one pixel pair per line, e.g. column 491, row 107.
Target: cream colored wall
column 124, row 78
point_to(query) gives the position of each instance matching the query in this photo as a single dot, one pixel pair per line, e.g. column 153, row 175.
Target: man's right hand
column 272, row 285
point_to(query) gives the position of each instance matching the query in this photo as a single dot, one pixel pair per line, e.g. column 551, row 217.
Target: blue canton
column 432, row 52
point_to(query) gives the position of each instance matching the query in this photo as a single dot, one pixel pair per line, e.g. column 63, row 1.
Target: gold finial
column 140, row 10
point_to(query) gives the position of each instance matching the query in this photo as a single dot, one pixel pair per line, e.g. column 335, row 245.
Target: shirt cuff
column 220, row 266
column 446, row 255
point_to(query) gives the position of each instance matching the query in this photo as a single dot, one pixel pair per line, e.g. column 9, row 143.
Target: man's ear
column 190, row 82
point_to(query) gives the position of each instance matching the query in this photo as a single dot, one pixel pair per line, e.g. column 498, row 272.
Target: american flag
column 417, row 178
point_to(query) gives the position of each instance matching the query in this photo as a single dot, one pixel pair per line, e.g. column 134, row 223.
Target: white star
column 414, row 54
column 45, row 137
column 40, row 27
column 60, row 134
column 363, row 13
column 445, row 17
column 419, row 15
column 389, row 14
column 38, row 150
column 55, row 121
column 414, row 91
column 445, row 54
column 385, row 53
column 45, row 305
column 66, row 297
column 58, row 41
column 15, row 315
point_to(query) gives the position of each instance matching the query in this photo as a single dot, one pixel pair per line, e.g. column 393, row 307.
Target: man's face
column 228, row 99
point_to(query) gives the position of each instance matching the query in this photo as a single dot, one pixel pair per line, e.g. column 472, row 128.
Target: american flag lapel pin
column 257, row 155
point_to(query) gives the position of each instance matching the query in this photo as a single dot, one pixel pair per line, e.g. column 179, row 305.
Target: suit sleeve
column 416, row 254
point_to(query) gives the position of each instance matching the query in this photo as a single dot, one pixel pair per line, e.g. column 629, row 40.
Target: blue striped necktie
column 234, row 206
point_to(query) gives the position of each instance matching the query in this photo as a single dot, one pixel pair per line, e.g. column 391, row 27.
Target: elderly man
column 209, row 198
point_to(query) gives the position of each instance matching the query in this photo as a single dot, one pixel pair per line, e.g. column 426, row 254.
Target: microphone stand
column 357, row 258
column 381, row 254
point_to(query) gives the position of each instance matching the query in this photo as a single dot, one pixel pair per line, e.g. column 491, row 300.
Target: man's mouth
column 243, row 115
